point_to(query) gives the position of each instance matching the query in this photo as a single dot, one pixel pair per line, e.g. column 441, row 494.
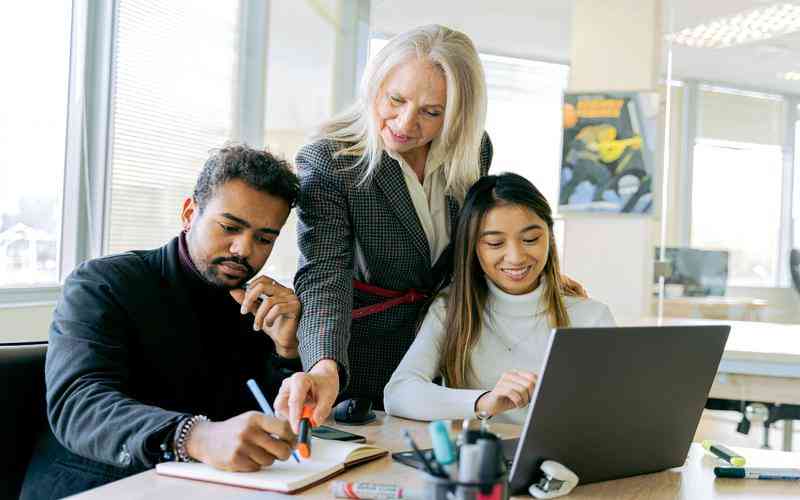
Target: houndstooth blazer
column 338, row 219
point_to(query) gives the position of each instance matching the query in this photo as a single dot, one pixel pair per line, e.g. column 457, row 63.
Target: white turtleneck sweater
column 514, row 336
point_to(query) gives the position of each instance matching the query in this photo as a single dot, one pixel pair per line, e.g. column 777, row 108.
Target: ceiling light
column 741, row 28
column 790, row 75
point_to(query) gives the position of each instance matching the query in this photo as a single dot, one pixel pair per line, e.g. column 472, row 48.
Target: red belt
column 396, row 298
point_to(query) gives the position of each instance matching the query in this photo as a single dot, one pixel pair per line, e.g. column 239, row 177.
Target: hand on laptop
column 276, row 310
column 513, row 390
column 243, row 443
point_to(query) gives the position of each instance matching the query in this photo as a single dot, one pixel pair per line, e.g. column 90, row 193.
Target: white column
column 352, row 44
column 251, row 91
column 616, row 46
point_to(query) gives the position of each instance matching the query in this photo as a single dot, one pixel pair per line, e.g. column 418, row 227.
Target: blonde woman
column 380, row 191
column 486, row 335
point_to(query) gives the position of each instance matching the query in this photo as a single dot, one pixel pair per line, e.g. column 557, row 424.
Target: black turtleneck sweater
column 234, row 350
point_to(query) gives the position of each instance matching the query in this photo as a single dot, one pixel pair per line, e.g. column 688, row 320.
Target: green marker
column 724, row 453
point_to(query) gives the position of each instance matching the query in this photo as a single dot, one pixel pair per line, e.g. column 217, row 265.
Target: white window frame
column 84, row 175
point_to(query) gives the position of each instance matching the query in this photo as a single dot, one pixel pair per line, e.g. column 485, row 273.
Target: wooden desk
column 693, row 481
column 725, row 308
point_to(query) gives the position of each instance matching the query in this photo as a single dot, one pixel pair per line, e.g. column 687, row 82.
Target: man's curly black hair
column 259, row 168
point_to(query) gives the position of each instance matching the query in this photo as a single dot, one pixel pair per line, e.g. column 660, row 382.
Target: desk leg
column 788, row 434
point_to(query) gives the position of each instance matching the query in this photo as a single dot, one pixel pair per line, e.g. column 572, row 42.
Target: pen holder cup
column 441, row 488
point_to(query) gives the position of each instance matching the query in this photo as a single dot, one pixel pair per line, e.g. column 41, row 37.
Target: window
column 299, row 96
column 33, row 121
column 736, row 205
column 175, row 81
column 524, row 118
column 737, row 183
column 796, row 188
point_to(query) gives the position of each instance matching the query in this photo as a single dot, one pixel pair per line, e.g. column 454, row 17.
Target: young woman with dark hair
column 487, row 333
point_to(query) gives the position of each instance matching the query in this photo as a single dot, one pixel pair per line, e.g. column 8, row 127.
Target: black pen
column 419, row 454
column 787, row 474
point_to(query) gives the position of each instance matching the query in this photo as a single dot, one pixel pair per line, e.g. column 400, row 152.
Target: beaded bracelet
column 182, row 436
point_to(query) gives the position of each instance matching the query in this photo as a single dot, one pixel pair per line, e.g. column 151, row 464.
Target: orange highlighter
column 304, row 436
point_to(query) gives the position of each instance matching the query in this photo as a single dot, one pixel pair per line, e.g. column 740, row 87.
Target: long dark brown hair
column 468, row 290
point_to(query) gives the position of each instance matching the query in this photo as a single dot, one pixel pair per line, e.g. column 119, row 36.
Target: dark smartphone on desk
column 325, row 432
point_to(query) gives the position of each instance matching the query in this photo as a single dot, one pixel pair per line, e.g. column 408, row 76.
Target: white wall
column 615, row 59
column 613, row 259
column 518, row 28
column 25, row 323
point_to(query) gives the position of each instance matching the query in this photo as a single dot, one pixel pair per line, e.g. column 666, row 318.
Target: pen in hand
column 264, row 404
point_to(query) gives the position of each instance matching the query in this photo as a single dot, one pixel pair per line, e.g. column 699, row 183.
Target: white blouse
column 428, row 198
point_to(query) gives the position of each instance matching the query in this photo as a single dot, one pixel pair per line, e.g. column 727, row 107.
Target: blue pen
column 443, row 448
column 264, row 404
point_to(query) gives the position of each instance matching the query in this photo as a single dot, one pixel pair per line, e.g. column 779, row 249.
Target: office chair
column 794, row 268
column 22, row 411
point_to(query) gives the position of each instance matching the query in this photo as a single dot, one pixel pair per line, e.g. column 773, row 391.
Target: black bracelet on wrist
column 173, row 448
column 167, row 445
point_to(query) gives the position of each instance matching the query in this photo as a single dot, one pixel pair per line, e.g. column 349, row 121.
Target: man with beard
column 150, row 350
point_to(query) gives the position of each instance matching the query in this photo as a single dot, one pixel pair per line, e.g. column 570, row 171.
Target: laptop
column 617, row 402
column 614, row 402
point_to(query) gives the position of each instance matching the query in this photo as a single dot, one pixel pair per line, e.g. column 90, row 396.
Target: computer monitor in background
column 794, row 268
column 701, row 272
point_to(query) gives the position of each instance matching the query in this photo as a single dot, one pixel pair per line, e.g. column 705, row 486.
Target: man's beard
column 212, row 274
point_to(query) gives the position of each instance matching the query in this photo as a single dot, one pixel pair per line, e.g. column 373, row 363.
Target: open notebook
column 328, row 458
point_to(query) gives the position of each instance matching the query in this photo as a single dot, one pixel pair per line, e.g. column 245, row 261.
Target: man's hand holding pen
column 276, row 310
column 243, row 443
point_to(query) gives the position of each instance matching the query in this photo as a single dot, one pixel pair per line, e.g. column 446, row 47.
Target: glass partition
column 731, row 217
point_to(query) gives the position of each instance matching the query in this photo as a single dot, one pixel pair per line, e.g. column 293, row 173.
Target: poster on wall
column 608, row 152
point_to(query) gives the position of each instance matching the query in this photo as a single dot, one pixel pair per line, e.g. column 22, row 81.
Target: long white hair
column 465, row 108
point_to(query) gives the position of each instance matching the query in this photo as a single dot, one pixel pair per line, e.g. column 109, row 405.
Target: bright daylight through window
column 736, row 210
column 35, row 43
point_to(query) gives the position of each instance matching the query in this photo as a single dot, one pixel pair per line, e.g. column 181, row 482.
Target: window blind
column 175, row 74
column 738, row 117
